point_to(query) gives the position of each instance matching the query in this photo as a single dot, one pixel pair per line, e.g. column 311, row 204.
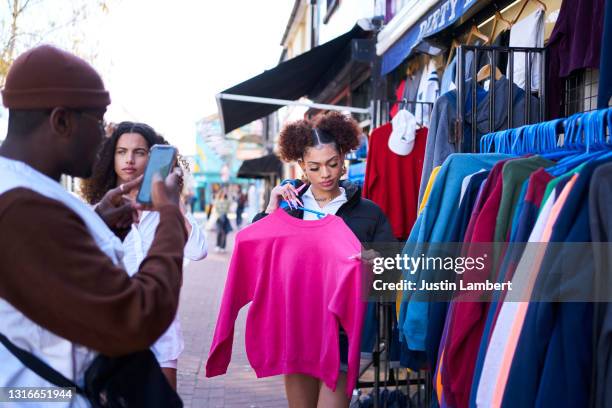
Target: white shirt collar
column 330, row 208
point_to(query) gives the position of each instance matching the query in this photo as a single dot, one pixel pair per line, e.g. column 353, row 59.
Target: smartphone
column 161, row 160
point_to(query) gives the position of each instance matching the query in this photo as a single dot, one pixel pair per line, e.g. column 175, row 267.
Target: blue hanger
column 590, row 124
column 552, row 143
column 606, row 118
column 504, row 141
column 517, row 137
column 285, row 204
column 498, row 140
column 486, row 142
column 602, row 123
column 528, row 139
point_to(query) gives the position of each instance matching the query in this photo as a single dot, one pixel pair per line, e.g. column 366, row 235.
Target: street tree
column 27, row 23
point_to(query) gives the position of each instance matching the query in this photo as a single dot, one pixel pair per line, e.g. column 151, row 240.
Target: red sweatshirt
column 392, row 181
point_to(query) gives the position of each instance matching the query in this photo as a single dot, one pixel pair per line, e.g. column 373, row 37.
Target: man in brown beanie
column 64, row 295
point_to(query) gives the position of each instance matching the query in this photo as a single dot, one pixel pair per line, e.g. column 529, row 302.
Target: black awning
column 263, row 167
column 289, row 80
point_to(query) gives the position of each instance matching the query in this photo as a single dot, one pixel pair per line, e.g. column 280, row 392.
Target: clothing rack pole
column 383, row 333
column 474, row 99
column 376, row 358
column 458, row 133
column 492, row 91
column 543, row 85
column 511, row 90
column 528, row 62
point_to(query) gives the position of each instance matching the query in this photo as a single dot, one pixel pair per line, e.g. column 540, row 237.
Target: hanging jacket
column 441, row 135
column 549, row 332
column 600, row 220
column 500, row 114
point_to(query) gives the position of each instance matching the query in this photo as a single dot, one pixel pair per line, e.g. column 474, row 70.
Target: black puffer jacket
column 362, row 216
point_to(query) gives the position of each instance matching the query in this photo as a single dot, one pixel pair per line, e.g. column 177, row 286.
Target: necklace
column 326, row 199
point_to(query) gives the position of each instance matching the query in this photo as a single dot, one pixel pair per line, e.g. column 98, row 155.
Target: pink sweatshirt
column 303, row 286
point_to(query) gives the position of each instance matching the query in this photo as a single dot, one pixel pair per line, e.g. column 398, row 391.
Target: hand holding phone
column 168, row 191
column 162, row 160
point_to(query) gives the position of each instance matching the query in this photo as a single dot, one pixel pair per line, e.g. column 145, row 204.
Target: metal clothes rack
column 469, row 143
column 384, row 310
column 381, row 364
column 381, row 108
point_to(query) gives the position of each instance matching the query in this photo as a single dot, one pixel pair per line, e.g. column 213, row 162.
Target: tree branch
column 25, row 5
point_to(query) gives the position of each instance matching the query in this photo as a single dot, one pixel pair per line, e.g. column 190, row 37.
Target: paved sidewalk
column 200, row 299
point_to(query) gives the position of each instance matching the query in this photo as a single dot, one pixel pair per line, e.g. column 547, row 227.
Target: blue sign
column 439, row 17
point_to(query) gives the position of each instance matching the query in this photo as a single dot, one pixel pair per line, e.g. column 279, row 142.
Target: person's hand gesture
column 116, row 209
column 286, row 192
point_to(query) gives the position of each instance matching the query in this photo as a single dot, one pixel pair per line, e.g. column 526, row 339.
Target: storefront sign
column 442, row 16
column 438, row 18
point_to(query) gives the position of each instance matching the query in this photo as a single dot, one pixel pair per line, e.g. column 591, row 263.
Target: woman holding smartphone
column 122, row 158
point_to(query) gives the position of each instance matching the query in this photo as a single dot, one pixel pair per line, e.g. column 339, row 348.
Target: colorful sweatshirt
column 302, row 286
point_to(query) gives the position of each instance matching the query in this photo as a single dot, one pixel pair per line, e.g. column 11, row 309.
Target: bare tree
column 27, row 23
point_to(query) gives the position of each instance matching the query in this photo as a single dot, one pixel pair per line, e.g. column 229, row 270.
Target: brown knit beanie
column 46, row 77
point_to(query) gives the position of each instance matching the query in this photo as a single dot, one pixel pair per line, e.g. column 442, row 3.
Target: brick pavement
column 200, row 298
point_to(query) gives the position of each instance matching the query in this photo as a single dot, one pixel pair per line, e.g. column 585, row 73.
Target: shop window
column 581, row 91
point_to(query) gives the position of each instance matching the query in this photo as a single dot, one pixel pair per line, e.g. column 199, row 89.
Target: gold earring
column 304, row 178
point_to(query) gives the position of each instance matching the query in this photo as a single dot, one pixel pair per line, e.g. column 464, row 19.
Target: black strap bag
column 133, row 380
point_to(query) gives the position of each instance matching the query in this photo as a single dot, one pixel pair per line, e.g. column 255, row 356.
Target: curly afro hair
column 333, row 127
column 104, row 177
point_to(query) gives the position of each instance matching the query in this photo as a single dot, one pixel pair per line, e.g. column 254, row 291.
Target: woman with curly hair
column 122, row 158
column 319, row 148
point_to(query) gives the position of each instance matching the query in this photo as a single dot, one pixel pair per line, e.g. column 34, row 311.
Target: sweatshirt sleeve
column 239, row 290
column 349, row 307
column 54, row 273
column 196, row 247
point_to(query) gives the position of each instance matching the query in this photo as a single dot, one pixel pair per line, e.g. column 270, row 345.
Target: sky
column 163, row 62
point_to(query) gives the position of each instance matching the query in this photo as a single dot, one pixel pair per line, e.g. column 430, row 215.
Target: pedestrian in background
column 241, row 200
column 122, row 158
column 224, row 227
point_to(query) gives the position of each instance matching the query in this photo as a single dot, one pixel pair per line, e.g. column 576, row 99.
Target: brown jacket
column 53, row 272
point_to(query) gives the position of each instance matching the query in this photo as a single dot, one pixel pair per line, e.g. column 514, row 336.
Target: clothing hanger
column 523, row 9
column 285, row 203
column 497, row 17
column 454, row 45
column 583, row 130
column 518, row 138
column 485, row 73
column 494, row 24
column 475, row 32
column 500, row 17
column 542, row 4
